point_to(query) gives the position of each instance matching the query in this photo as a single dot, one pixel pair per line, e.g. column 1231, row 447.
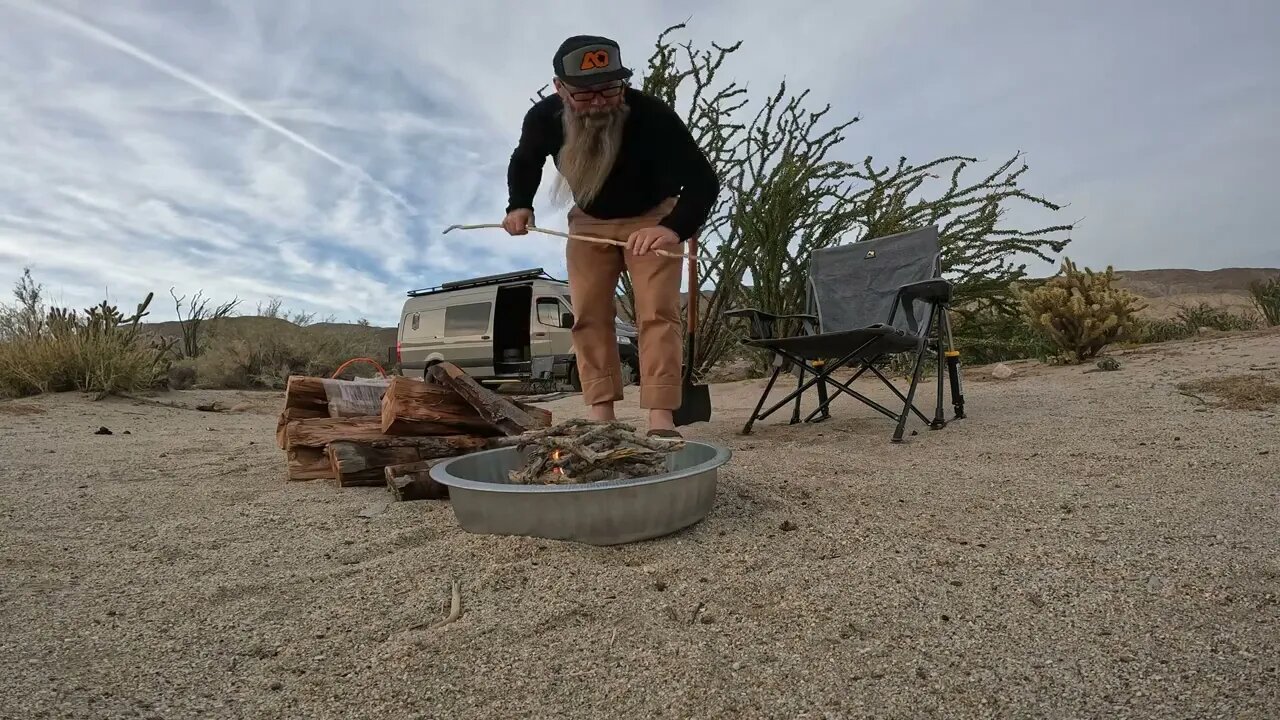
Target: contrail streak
column 102, row 36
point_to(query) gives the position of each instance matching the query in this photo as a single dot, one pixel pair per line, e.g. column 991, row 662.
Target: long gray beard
column 591, row 144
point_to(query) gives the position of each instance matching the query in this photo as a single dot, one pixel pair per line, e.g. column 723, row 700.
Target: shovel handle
column 557, row 233
column 692, row 321
column 693, row 283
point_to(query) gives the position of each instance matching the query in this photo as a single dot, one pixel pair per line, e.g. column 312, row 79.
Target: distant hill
column 1167, row 291
column 380, row 337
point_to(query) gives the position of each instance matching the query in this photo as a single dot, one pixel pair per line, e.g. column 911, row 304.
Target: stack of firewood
column 390, row 431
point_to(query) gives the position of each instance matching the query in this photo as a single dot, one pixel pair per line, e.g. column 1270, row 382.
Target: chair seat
column 879, row 340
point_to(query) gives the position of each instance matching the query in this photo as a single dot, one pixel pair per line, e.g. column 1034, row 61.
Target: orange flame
column 555, row 456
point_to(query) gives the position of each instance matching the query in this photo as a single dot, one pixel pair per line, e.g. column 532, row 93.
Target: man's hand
column 517, row 221
column 659, row 237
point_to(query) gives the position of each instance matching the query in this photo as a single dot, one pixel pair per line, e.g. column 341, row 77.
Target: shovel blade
column 695, row 405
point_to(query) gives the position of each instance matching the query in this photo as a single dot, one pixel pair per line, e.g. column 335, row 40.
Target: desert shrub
column 101, row 352
column 1266, row 298
column 1216, row 318
column 1079, row 312
column 264, row 352
column 989, row 336
column 1159, row 330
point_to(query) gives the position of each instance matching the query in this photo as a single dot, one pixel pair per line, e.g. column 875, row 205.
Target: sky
column 315, row 151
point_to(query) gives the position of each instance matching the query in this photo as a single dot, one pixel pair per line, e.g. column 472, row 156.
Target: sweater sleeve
column 524, row 171
column 699, row 185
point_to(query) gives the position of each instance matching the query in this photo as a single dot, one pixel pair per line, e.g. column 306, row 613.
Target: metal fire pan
column 604, row 513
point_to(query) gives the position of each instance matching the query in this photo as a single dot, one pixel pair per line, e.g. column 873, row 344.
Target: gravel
column 1083, row 545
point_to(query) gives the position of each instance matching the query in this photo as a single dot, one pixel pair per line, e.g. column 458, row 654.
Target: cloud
column 107, row 39
column 316, row 151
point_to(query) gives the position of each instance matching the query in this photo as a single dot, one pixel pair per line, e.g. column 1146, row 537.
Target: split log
column 353, row 464
column 306, row 393
column 542, row 416
column 412, row 481
column 307, row 463
column 499, row 411
column 318, row 432
column 407, row 403
column 290, row 414
column 364, row 463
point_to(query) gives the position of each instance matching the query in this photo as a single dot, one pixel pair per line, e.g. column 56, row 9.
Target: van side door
column 420, row 332
column 468, row 336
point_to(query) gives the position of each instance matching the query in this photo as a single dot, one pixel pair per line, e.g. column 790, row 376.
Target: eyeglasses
column 585, row 95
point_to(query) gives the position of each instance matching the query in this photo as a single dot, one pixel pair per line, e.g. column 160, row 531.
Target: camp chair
column 863, row 303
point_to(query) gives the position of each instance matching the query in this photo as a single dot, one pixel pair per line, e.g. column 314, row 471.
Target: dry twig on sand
column 584, row 451
column 455, row 611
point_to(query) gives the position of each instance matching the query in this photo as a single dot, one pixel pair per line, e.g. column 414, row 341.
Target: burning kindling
column 583, row 451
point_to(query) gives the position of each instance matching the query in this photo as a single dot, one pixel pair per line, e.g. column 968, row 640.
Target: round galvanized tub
column 604, row 513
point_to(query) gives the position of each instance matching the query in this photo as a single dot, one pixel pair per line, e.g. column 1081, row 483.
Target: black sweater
column 658, row 159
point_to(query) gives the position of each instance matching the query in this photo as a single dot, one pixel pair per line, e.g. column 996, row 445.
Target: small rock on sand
column 1002, row 372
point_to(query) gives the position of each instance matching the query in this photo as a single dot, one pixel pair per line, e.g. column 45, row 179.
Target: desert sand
column 1084, row 544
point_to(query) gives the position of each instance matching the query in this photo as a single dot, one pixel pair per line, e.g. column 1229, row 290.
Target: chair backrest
column 852, row 286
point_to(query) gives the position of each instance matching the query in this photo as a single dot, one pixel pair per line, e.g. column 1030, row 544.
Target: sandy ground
column 1083, row 545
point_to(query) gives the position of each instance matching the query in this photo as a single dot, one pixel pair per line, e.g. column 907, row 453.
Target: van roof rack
column 517, row 275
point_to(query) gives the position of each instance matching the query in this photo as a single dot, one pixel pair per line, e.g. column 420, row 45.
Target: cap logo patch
column 595, row 59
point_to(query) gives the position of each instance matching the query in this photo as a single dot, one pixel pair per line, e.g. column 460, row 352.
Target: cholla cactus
column 1080, row 312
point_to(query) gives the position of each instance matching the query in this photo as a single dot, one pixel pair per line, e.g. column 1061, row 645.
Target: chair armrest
column 763, row 323
column 935, row 290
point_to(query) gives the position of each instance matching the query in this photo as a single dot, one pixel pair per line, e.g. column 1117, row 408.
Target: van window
column 549, row 310
column 469, row 319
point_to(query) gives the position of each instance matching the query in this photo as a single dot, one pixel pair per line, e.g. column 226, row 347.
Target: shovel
column 695, row 404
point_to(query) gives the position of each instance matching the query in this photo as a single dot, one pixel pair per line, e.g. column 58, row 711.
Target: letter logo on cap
column 595, row 59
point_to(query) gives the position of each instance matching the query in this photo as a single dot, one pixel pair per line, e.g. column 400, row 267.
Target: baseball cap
column 584, row 60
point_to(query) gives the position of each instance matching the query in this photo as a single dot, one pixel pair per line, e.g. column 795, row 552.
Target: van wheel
column 575, row 381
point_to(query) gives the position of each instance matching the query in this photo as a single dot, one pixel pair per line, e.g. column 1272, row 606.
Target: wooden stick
column 497, row 410
column 587, row 238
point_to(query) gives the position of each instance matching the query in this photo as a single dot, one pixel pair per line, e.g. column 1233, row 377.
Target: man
column 636, row 175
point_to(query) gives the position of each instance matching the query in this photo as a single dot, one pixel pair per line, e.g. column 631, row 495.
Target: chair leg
column 939, row 418
column 911, row 393
column 746, row 429
column 953, row 367
column 795, row 411
column 824, row 405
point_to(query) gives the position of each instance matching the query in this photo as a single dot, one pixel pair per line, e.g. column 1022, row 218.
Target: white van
column 508, row 328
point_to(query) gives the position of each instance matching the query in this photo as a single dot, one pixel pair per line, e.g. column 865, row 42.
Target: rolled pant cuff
column 602, row 389
column 657, row 395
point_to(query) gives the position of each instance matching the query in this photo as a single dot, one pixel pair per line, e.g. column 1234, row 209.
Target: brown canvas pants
column 594, row 269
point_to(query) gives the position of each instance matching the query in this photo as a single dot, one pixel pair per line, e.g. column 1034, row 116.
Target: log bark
column 408, row 402
column 306, row 393
column 364, row 463
column 542, row 416
column 290, row 414
column 318, row 432
column 354, row 464
column 412, row 481
column 306, row 463
column 499, row 411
